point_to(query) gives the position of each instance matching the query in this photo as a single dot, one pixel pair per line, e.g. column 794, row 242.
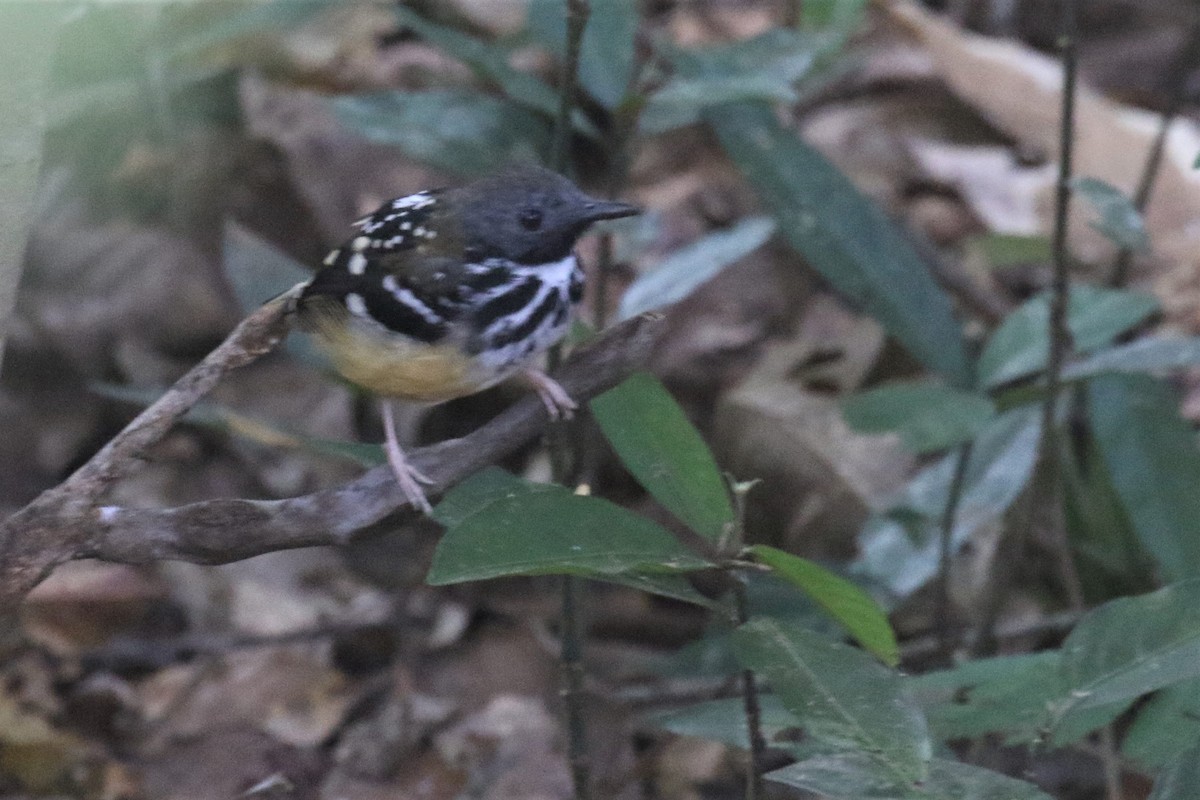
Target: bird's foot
column 554, row 397
column 409, row 477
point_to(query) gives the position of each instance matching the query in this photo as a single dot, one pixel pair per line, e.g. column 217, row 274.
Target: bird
column 446, row 292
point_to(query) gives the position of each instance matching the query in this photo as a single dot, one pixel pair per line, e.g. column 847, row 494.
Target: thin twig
column 578, row 12
column 1046, row 487
column 571, row 655
column 758, row 744
column 1176, row 86
column 945, row 621
column 59, row 527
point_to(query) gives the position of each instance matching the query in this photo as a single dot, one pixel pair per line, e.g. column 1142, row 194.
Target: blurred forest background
column 853, row 203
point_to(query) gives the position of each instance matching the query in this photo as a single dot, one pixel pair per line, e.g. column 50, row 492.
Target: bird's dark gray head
column 528, row 214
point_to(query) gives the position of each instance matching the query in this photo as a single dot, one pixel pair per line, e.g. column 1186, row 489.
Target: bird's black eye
column 531, row 219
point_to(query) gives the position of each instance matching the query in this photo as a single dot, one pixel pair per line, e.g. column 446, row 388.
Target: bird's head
column 527, row 214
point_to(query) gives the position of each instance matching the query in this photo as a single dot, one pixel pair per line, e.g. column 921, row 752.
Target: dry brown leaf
column 1019, row 91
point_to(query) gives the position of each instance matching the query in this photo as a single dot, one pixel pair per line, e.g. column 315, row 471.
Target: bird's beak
column 596, row 210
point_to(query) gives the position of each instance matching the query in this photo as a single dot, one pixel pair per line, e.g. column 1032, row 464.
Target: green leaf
column 840, row 17
column 1118, row 219
column 849, row 605
column 1178, row 781
column 456, row 130
column 764, row 67
column 841, row 696
column 843, row 235
column 1129, row 647
column 1007, row 694
column 1095, row 317
column 606, row 54
column 929, row 417
column 1003, row 250
column 683, row 271
column 1166, row 726
column 1154, row 464
column 1155, row 354
column 900, row 547
column 855, row 776
column 725, row 721
column 662, row 449
column 491, row 62
column 499, row 528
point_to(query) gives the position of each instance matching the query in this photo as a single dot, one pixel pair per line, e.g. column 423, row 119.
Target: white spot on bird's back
column 357, row 306
column 360, row 244
column 332, row 257
column 357, row 264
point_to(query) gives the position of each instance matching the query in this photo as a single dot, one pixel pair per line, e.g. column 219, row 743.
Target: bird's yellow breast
column 397, row 366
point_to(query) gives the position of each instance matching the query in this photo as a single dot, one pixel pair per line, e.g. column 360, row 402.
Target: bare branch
column 220, row 531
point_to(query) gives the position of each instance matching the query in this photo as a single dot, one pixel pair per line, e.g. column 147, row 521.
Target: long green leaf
column 849, row 605
column 1129, row 647
column 900, row 546
column 500, row 528
column 683, row 271
column 843, row 235
column 1118, row 218
column 456, row 130
column 1018, row 348
column 855, row 776
column 491, row 62
column 1154, row 463
column 606, row 54
column 1154, row 354
column 928, row 417
column 764, row 67
column 725, row 721
column 841, row 696
column 662, row 449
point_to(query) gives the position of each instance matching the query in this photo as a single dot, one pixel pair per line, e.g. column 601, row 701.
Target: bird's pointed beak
column 596, row 210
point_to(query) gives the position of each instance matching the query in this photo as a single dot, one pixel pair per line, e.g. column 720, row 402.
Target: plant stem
column 571, row 655
column 1046, row 488
column 1176, row 86
column 945, row 623
column 758, row 744
column 578, row 12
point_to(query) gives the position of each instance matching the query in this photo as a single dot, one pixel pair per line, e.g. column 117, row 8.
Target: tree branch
column 57, row 527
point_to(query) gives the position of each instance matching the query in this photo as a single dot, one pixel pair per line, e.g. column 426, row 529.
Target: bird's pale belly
column 395, row 366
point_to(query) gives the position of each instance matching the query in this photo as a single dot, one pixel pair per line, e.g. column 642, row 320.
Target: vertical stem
column 578, row 12
column 758, row 744
column 571, row 658
column 945, row 623
column 571, row 655
column 1176, row 81
column 1046, row 487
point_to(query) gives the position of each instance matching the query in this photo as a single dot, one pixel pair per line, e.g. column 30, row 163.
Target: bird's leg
column 409, row 477
column 558, row 403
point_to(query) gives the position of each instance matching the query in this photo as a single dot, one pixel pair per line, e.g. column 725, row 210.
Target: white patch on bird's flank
column 332, row 257
column 360, row 244
column 395, row 241
column 555, row 278
column 357, row 264
column 410, row 300
column 419, row 231
column 406, row 226
column 357, row 305
column 418, row 200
